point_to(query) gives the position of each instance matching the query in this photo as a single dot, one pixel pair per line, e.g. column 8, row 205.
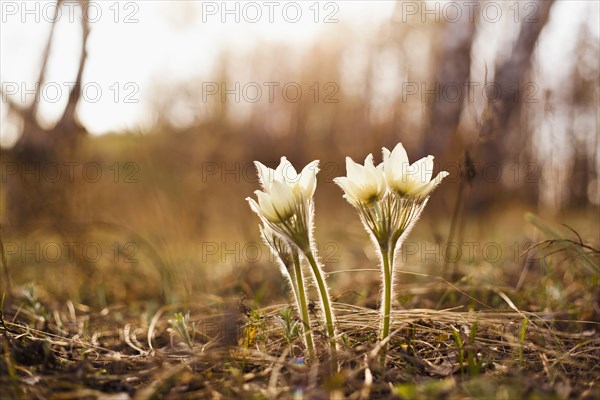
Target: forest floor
column 527, row 330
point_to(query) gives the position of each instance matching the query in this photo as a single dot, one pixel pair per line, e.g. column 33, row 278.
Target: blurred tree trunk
column 510, row 81
column 38, row 173
column 451, row 75
column 584, row 103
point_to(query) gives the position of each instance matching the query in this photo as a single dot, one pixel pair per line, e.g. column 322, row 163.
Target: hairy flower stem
column 386, row 304
column 325, row 304
column 303, row 308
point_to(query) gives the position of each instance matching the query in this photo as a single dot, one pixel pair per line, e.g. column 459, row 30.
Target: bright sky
column 136, row 44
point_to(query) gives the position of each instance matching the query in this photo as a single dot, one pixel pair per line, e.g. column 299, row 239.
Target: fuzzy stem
column 303, row 307
column 386, row 304
column 325, row 304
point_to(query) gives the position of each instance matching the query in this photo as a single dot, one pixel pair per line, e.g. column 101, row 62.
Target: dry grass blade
column 161, row 383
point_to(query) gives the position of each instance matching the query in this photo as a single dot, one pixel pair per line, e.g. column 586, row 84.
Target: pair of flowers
column 366, row 184
column 389, row 199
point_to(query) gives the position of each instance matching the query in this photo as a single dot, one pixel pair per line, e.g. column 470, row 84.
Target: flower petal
column 421, row 170
column 399, row 161
column 354, row 171
column 265, row 205
column 376, row 177
column 308, row 179
column 426, row 189
column 253, row 205
column 283, row 200
column 285, row 171
column 386, row 154
column 351, row 191
column 265, row 175
column 388, row 168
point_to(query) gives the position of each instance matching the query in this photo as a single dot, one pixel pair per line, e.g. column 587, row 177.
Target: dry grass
column 252, row 353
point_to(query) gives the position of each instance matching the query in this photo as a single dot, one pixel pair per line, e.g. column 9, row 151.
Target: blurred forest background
column 509, row 106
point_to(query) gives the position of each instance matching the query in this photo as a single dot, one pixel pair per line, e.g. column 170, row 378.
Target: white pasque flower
column 406, row 179
column 279, row 204
column 362, row 184
column 283, row 189
column 303, row 185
